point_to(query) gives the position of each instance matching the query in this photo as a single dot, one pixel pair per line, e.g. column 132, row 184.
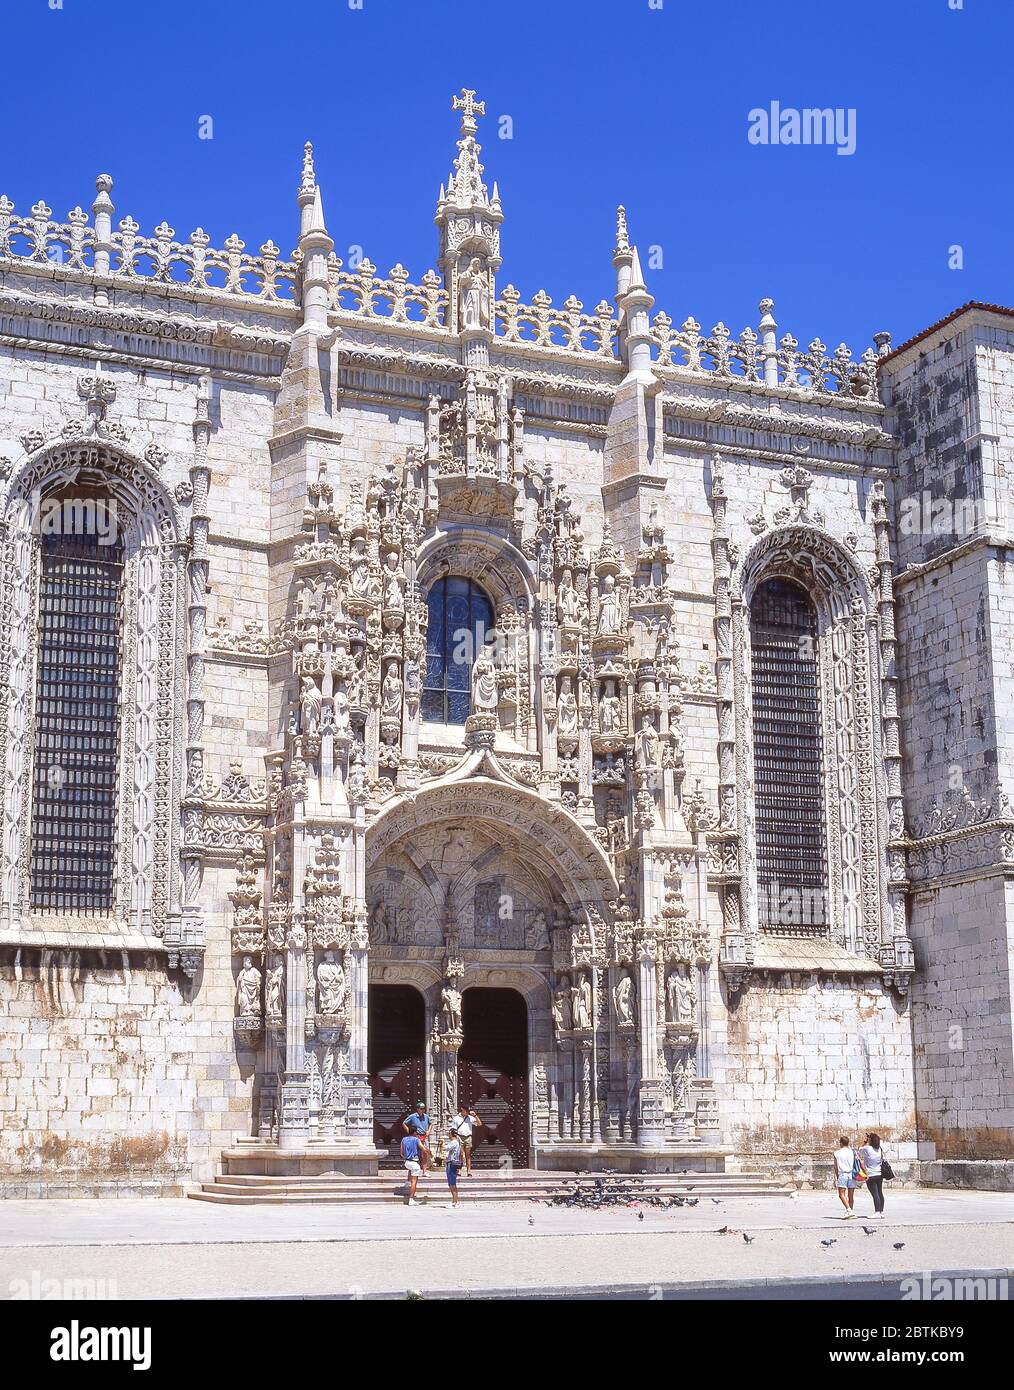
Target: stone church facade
column 413, row 692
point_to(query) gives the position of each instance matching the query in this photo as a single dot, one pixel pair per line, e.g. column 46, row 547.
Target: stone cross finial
column 309, row 180
column 622, row 239
column 468, row 106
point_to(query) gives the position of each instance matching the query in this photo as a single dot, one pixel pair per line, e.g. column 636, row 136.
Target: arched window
column 460, row 619
column 77, row 699
column 788, row 783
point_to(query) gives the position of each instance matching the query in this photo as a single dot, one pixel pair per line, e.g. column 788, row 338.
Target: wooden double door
column 492, row 1068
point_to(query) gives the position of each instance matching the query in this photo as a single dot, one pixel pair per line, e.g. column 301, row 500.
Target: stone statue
column 394, row 592
column 330, row 985
column 340, row 706
column 484, row 697
column 562, row 1012
column 309, row 705
column 248, row 990
column 567, row 709
column 450, row 1006
column 473, row 297
column 568, row 602
column 609, row 608
column 681, row 1003
column 390, row 694
column 273, row 990
column 647, row 742
column 582, row 1002
column 380, row 924
column 360, row 568
column 609, row 710
column 623, row 999
column 538, row 933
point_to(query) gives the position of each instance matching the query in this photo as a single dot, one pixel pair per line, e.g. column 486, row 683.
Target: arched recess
column 848, row 656
column 552, row 840
column 153, row 654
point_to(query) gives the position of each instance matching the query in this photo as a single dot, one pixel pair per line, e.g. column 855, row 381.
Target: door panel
column 493, row 1074
column 396, row 1063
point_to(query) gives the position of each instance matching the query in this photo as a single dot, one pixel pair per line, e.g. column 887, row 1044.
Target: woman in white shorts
column 844, row 1160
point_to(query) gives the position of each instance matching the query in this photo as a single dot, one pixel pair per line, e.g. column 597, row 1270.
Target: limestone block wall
column 800, row 1062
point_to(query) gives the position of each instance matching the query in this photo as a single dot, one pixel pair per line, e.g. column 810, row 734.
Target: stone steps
column 239, row 1189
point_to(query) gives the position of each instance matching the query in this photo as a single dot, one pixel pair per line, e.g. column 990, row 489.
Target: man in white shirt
column 463, row 1125
column 844, row 1160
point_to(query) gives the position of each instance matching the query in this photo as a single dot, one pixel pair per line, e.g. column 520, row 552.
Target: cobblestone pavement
column 324, row 1251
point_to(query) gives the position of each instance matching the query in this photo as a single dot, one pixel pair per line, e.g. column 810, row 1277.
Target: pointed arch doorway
column 493, row 1074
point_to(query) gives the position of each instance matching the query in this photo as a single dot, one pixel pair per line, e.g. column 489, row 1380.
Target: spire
column 464, row 201
column 465, row 188
column 622, row 240
column 307, row 189
column 315, row 245
column 636, row 275
column 316, row 219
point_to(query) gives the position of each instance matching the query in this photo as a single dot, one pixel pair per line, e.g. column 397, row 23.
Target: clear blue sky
column 611, row 101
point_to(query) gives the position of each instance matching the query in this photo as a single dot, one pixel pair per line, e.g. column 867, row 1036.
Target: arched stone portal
column 479, row 885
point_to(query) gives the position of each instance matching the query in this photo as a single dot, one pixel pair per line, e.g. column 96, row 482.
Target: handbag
column 886, row 1171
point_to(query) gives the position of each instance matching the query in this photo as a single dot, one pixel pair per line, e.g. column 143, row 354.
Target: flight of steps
column 236, row 1189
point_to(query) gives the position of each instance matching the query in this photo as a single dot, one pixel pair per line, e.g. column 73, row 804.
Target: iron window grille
column 788, row 764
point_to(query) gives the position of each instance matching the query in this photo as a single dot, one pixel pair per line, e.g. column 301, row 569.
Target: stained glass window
column 788, row 784
column 460, row 620
column 76, row 706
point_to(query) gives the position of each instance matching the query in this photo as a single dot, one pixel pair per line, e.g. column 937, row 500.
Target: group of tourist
column 854, row 1167
column 417, row 1154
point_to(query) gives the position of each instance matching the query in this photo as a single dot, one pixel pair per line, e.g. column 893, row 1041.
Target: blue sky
column 611, row 101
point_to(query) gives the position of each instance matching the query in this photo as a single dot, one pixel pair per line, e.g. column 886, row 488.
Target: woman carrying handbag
column 871, row 1155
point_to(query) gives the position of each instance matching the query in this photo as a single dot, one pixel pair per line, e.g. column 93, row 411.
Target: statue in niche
column 393, row 580
column 538, row 933
column 473, row 297
column 309, row 705
column 390, row 694
column 360, row 568
column 248, row 990
column 609, row 709
column 484, row 696
column 623, row 999
column 450, row 1006
column 681, row 1002
column 340, row 707
column 567, row 708
column 562, row 1012
column 381, row 933
column 581, row 1002
column 273, row 989
column 647, row 742
column 568, row 602
column 330, row 985
column 357, row 685
column 609, row 608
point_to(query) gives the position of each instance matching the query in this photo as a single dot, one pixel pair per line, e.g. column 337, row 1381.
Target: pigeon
column 531, row 1221
column 870, row 1230
column 748, row 1239
column 692, row 1201
column 640, row 1216
column 714, row 1199
column 828, row 1243
column 899, row 1245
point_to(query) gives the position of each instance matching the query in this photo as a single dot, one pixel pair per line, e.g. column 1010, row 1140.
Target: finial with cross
column 468, row 106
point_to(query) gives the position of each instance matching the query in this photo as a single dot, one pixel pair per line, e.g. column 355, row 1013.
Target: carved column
column 650, row 1114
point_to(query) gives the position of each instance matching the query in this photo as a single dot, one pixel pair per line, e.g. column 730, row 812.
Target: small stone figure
column 380, row 925
column 248, row 990
column 450, row 1005
column 609, row 608
column 472, row 297
column 394, row 591
column 360, row 568
column 647, row 744
column 309, row 704
column 273, row 990
column 609, row 710
column 538, row 933
column 390, row 694
column 562, row 1012
column 340, row 707
column 568, row 602
column 567, row 709
column 484, row 697
column 330, row 985
column 582, row 1002
column 623, row 999
column 680, row 1001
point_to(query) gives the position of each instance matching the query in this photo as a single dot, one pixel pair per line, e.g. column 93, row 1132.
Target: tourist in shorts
column 844, row 1162
column 467, row 1120
column 418, row 1124
column 410, row 1153
column 454, row 1162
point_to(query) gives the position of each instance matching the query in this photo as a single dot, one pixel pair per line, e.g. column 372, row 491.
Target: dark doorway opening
column 493, row 1074
column 396, row 1060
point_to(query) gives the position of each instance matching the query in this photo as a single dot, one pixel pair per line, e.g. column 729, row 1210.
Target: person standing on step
column 410, row 1154
column 844, row 1162
column 466, row 1121
column 419, row 1124
column 454, row 1162
column 872, row 1156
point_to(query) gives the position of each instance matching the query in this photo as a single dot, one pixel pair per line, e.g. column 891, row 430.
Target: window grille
column 460, row 620
column 76, row 714
column 788, row 783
